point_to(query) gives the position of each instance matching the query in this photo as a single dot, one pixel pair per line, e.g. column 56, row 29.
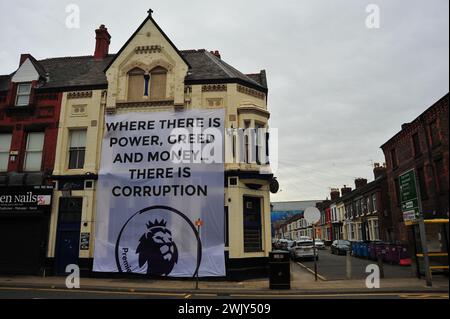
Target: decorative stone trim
column 251, row 92
column 145, row 104
column 79, row 95
column 214, row 88
column 148, row 49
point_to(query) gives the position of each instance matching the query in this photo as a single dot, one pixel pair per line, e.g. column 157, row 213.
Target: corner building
column 149, row 74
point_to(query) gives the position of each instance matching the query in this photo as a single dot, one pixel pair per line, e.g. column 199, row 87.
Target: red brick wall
column 436, row 203
column 41, row 116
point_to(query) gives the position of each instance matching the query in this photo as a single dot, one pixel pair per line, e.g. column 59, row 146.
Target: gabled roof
column 83, row 72
column 149, row 18
column 38, row 66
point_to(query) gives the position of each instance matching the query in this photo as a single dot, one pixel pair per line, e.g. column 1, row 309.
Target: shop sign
column 25, row 198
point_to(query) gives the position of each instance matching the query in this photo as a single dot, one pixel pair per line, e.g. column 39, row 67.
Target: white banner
column 160, row 172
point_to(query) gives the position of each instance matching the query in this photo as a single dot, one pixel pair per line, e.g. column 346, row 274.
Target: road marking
column 312, row 271
column 187, row 296
column 95, row 291
column 424, row 296
column 331, row 295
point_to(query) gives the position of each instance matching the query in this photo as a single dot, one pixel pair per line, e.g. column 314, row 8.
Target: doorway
column 252, row 224
column 68, row 233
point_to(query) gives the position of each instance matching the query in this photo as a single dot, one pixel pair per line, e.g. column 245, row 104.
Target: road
column 41, row 293
column 333, row 267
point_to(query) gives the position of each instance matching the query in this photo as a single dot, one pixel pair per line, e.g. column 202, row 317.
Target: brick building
column 29, row 115
column 421, row 145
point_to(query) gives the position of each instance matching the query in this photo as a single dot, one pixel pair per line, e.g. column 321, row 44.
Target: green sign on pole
column 409, row 196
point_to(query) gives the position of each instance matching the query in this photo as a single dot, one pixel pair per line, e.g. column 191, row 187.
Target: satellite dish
column 311, row 215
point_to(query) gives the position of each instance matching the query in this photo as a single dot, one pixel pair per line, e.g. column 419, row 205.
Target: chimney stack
column 346, row 190
column 379, row 170
column 216, row 53
column 102, row 41
column 360, row 182
column 23, row 58
column 334, row 194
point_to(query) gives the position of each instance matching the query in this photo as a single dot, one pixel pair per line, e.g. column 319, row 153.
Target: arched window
column 158, row 80
column 136, row 84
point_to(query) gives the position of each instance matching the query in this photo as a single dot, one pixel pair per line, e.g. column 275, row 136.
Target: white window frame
column 4, row 150
column 77, row 148
column 37, row 151
column 22, row 94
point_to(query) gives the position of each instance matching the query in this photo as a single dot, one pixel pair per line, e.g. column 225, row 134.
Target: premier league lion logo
column 157, row 249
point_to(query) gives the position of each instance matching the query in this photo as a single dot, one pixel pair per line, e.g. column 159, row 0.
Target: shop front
column 24, row 222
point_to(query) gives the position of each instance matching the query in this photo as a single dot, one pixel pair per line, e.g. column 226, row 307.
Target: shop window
column 5, row 145
column 23, row 94
column 33, row 153
column 158, row 81
column 416, row 145
column 136, row 84
column 77, row 149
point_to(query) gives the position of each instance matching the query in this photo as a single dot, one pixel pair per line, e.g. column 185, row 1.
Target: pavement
column 302, row 284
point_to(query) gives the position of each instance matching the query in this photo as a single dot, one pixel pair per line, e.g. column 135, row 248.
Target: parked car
column 303, row 249
column 340, row 247
column 285, row 244
column 319, row 244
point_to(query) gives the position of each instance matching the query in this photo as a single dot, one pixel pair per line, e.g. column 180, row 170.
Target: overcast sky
column 337, row 90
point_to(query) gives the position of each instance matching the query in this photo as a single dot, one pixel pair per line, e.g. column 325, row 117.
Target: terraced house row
column 51, row 126
column 371, row 211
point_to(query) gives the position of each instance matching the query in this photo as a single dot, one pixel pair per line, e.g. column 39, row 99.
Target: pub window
column 77, row 149
column 33, row 153
column 5, row 145
column 23, row 94
column 422, row 185
column 136, row 84
column 394, row 158
column 158, row 80
column 416, row 144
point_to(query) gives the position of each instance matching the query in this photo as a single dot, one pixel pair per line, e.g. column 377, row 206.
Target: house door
column 68, row 235
column 252, row 224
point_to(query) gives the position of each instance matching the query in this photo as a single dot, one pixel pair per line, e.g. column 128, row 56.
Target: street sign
column 409, row 196
column 311, row 215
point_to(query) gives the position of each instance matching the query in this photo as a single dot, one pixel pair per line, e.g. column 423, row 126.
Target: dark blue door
column 252, row 224
column 68, row 235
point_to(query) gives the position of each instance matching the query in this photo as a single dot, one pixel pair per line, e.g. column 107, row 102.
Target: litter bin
column 279, row 270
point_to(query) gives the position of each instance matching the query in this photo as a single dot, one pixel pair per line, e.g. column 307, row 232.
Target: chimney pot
column 360, row 182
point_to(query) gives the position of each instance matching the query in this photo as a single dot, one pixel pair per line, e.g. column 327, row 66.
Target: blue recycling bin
column 364, row 250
